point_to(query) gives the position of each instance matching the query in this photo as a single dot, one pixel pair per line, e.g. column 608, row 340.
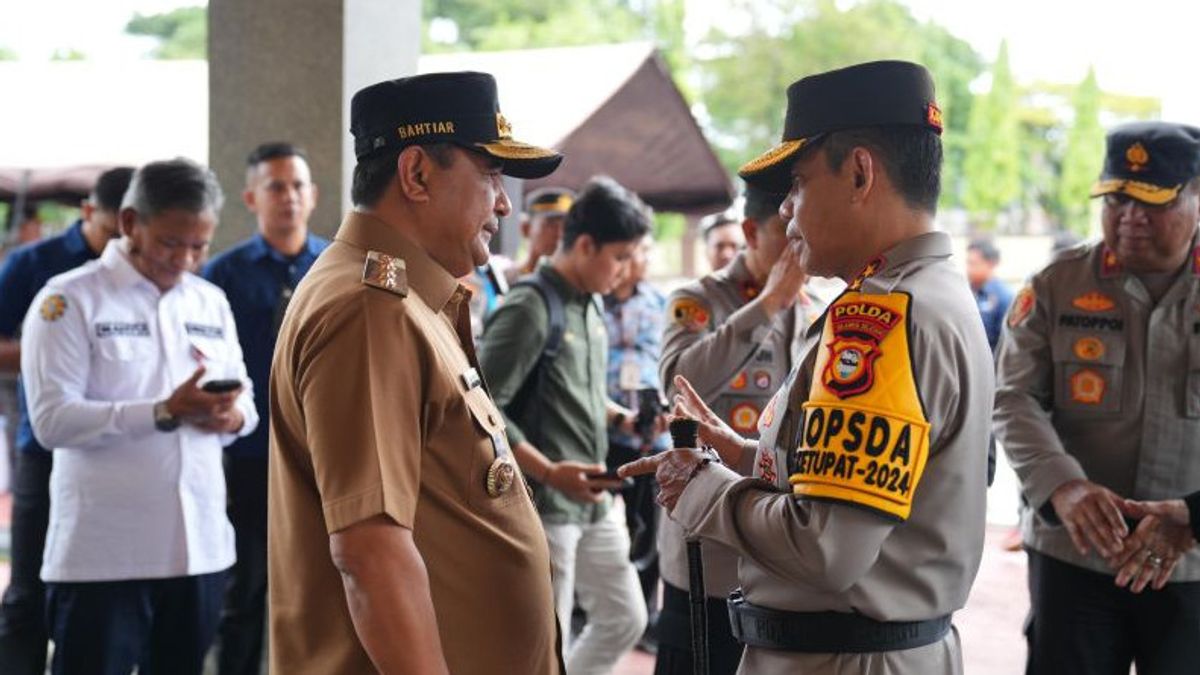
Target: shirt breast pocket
column 124, row 367
column 1088, row 372
column 124, row 349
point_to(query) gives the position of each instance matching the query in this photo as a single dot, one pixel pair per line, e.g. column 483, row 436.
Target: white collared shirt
column 99, row 347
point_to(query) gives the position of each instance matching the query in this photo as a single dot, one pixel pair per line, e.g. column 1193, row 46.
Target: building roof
column 611, row 109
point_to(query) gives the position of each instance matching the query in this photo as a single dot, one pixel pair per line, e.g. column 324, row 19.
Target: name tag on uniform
column 106, row 329
column 203, row 330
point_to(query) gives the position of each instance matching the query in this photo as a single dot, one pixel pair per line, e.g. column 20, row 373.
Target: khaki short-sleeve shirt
column 377, row 408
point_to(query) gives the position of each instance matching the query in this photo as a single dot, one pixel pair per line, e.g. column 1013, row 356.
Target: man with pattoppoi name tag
column 1098, row 401
column 855, row 557
column 401, row 535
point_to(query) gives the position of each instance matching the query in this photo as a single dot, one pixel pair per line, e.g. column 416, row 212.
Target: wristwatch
column 163, row 419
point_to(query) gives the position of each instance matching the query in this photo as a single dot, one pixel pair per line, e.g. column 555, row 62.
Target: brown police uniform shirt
column 882, row 512
column 1097, row 381
column 374, row 411
column 718, row 337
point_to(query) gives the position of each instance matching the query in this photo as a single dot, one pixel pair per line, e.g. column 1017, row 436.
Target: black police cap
column 1149, row 161
column 759, row 200
column 875, row 94
column 460, row 108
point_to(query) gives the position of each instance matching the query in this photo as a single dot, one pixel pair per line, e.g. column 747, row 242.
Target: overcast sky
column 1145, row 47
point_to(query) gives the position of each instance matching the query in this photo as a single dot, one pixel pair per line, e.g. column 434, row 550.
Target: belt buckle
column 736, row 602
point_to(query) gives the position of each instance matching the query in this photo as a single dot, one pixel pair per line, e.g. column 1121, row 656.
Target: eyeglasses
column 1118, row 200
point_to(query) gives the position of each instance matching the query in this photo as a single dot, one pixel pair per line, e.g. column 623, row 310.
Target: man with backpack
column 543, row 354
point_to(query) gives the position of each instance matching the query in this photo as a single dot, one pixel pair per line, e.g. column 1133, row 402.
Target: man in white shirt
column 116, row 356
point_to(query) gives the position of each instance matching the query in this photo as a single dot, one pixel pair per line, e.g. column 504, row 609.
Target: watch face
column 163, row 421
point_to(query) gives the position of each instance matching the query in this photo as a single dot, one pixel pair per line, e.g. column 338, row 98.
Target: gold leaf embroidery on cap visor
column 515, row 150
column 772, row 157
column 1144, row 192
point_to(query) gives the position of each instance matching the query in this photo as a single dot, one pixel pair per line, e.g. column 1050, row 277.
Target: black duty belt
column 828, row 632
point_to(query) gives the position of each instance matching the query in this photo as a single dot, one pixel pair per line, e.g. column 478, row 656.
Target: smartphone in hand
column 611, row 474
column 221, row 386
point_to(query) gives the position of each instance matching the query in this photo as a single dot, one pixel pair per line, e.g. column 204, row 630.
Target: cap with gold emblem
column 549, row 201
column 1149, row 161
column 461, row 108
column 875, row 94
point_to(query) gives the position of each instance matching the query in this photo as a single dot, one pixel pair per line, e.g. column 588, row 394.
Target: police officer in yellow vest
column 733, row 334
column 855, row 558
column 1098, row 398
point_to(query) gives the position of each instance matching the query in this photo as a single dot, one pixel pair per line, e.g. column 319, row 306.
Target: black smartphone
column 221, row 386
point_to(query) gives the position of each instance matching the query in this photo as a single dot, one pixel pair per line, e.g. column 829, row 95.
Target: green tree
column 511, row 24
column 7, row 54
column 493, row 25
column 182, row 33
column 992, row 165
column 747, row 71
column 1082, row 158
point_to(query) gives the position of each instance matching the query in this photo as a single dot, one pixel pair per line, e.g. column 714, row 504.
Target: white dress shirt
column 99, row 347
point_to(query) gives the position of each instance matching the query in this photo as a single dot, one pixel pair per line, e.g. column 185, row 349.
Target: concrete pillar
column 285, row 70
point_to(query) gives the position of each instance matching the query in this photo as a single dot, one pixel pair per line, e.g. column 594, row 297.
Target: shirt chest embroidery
column 204, row 330
column 111, row 329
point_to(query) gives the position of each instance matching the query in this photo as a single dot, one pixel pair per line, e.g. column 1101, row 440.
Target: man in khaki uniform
column 855, row 559
column 541, row 227
column 722, row 239
column 732, row 334
column 402, row 537
column 1098, row 398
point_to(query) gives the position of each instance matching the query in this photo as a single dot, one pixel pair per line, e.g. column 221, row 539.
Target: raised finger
column 640, row 467
column 692, row 399
column 196, row 375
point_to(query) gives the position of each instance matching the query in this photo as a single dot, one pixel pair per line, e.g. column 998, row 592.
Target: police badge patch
column 689, row 313
column 744, row 418
column 858, row 328
column 1021, row 307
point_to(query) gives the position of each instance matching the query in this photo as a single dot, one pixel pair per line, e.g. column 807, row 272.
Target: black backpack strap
column 556, row 327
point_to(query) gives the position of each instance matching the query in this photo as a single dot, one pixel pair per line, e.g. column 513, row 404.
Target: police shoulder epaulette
column 1072, row 252
column 387, row 272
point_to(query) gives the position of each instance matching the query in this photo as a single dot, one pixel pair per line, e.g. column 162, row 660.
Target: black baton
column 683, row 435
